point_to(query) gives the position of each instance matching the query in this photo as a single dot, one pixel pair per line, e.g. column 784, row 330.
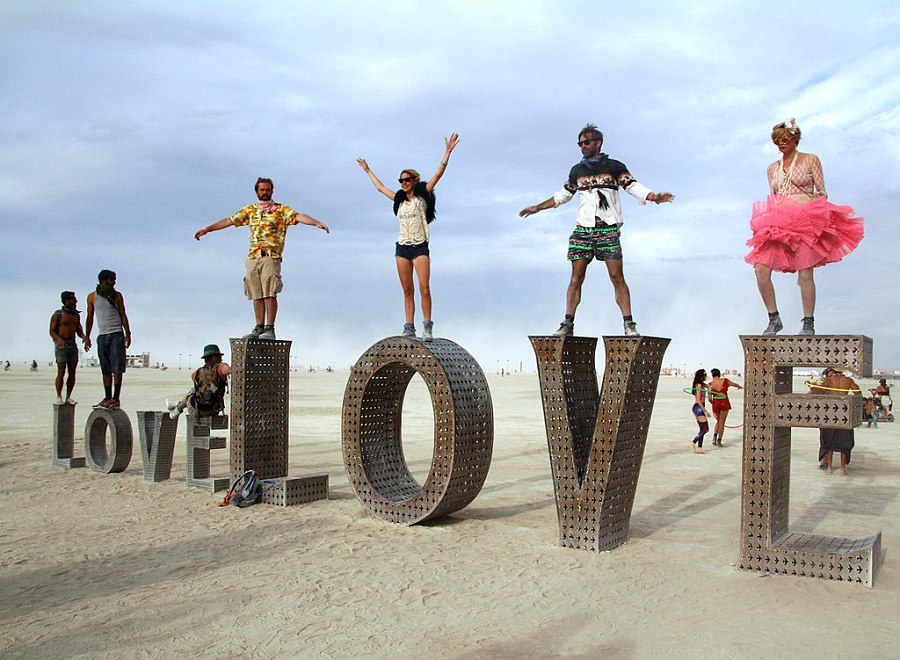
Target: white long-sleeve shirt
column 604, row 180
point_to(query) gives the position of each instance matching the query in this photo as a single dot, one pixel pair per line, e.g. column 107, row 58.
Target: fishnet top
column 807, row 180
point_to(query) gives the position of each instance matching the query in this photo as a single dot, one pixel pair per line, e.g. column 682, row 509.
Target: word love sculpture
column 372, row 420
column 596, row 438
column 259, row 439
column 770, row 411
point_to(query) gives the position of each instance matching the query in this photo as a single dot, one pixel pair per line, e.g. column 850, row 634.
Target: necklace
column 786, row 176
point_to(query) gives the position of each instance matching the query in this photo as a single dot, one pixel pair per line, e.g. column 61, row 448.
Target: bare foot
column 701, row 450
column 828, row 471
column 844, row 470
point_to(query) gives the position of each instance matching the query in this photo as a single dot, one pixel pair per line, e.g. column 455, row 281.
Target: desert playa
column 112, row 566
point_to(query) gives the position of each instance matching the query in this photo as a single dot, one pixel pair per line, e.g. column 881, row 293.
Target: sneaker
column 566, row 329
column 774, row 326
column 809, row 326
column 71, row 402
column 176, row 410
column 409, row 330
column 256, row 332
column 427, row 334
column 59, row 401
column 631, row 329
column 268, row 332
column 106, row 404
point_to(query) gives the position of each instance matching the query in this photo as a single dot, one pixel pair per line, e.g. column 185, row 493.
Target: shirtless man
column 65, row 325
column 832, row 440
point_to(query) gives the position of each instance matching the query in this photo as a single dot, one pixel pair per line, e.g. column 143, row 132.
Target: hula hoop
column 812, row 383
column 713, row 395
column 726, row 425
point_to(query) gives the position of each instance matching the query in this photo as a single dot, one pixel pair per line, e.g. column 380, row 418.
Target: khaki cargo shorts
column 263, row 278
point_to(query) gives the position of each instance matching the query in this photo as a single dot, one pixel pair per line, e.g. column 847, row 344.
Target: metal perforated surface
column 260, row 381
column 115, row 423
column 199, row 443
column 157, row 435
column 260, row 387
column 596, row 437
column 64, row 437
column 296, row 490
column 770, row 411
column 372, row 421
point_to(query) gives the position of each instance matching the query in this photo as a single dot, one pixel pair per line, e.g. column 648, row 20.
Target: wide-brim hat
column 211, row 349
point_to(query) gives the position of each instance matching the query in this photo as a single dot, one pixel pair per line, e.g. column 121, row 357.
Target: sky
column 126, row 127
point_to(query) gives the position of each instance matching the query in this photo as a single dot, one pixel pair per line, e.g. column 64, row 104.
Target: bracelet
column 443, row 163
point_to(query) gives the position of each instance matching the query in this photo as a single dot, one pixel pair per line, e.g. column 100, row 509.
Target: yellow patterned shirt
column 267, row 230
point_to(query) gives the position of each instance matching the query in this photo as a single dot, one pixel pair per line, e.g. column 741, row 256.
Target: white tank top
column 108, row 319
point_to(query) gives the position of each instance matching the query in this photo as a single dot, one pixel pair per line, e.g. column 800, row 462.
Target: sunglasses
column 784, row 140
column 581, row 143
column 406, row 179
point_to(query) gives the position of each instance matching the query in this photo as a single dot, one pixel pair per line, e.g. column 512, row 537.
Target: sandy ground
column 112, row 566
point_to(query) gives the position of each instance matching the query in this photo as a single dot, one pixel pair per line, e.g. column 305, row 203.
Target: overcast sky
column 128, row 126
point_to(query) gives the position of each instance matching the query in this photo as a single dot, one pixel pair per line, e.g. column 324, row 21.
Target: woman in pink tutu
column 797, row 229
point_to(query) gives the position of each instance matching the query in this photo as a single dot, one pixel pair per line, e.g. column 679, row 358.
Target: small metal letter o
column 120, row 440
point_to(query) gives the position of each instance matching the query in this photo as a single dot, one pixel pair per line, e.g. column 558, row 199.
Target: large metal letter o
column 120, row 440
column 372, row 416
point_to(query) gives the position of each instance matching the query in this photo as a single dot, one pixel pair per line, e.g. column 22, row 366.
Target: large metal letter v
column 596, row 439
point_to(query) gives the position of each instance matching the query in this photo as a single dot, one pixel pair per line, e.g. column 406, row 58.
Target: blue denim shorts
column 410, row 252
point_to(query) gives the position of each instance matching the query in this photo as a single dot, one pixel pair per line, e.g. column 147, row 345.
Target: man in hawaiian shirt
column 268, row 222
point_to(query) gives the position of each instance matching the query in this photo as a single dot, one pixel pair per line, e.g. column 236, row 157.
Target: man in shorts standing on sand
column 268, row 223
column 114, row 335
column 65, row 325
column 597, row 179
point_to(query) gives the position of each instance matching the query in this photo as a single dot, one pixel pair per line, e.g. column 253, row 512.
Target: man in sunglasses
column 597, row 179
column 268, row 222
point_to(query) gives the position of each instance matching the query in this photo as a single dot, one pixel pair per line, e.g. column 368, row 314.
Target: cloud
column 127, row 128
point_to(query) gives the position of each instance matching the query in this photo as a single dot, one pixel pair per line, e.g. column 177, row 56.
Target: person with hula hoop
column 720, row 404
column 699, row 388
column 832, row 440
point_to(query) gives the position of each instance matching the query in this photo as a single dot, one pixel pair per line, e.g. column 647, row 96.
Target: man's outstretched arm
column 221, row 224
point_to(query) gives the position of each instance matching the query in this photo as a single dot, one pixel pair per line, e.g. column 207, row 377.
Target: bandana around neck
column 108, row 292
column 268, row 206
column 595, row 161
column 70, row 310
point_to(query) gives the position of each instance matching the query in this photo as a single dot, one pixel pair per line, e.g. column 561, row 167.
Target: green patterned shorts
column 600, row 243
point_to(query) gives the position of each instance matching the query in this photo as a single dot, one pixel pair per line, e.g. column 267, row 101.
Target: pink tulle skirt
column 789, row 236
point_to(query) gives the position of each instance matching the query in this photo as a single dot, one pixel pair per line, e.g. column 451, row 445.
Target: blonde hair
column 412, row 173
column 786, row 128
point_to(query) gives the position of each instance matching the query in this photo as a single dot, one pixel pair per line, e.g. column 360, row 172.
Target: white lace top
column 413, row 226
